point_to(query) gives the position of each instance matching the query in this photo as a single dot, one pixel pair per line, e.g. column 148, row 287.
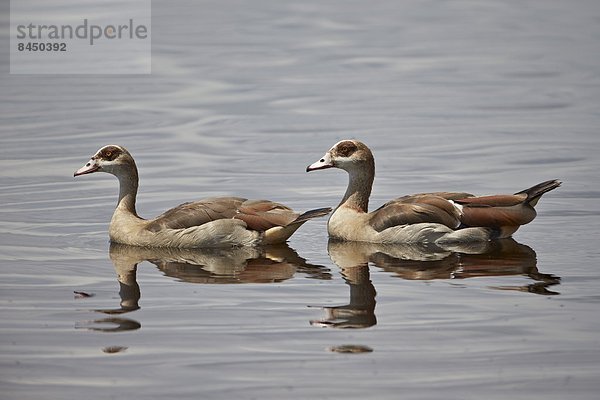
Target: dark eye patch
column 346, row 149
column 110, row 153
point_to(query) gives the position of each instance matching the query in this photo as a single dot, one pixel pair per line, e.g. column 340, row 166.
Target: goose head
column 112, row 159
column 349, row 155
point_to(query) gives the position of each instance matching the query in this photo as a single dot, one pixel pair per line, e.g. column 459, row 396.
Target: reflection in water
column 112, row 324
column 268, row 264
column 360, row 312
column 425, row 262
column 114, row 349
column 350, row 348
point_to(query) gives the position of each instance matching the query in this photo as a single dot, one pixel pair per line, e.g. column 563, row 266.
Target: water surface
column 485, row 97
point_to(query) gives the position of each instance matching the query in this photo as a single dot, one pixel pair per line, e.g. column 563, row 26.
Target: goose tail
column 535, row 192
column 316, row 213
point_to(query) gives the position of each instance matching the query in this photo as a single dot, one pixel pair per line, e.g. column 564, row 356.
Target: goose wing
column 259, row 215
column 504, row 209
column 497, row 210
column 419, row 208
column 197, row 213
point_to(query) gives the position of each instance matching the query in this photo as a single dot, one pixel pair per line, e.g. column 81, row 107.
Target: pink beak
column 323, row 163
column 91, row 166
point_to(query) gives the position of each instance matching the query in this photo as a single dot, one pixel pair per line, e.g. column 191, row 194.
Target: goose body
column 420, row 218
column 211, row 222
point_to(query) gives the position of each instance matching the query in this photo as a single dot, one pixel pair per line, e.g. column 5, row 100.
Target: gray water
column 479, row 96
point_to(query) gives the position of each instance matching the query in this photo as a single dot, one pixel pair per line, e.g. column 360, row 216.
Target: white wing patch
column 457, row 206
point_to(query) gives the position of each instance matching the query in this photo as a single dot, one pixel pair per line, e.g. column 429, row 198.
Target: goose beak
column 323, row 163
column 91, row 166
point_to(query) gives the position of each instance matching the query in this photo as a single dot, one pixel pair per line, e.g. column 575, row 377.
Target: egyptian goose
column 441, row 217
column 211, row 222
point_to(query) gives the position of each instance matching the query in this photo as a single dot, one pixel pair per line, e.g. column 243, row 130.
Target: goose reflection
column 504, row 257
column 275, row 263
column 268, row 264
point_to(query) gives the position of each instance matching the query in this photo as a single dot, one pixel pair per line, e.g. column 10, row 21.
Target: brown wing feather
column 500, row 200
column 504, row 210
column 264, row 205
column 444, row 195
column 413, row 210
column 516, row 215
column 261, row 215
column 197, row 213
column 496, row 211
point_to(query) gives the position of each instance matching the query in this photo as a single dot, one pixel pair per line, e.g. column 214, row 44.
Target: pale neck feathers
column 128, row 187
column 360, row 183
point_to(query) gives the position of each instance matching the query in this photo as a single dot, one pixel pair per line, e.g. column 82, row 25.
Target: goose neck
column 359, row 188
column 128, row 187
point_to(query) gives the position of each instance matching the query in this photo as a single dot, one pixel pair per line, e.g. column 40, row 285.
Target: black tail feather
column 319, row 212
column 535, row 192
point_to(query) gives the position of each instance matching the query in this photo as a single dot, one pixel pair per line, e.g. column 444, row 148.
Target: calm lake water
column 478, row 96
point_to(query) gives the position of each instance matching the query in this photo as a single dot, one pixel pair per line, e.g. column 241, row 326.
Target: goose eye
column 346, row 149
column 322, row 160
column 109, row 154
